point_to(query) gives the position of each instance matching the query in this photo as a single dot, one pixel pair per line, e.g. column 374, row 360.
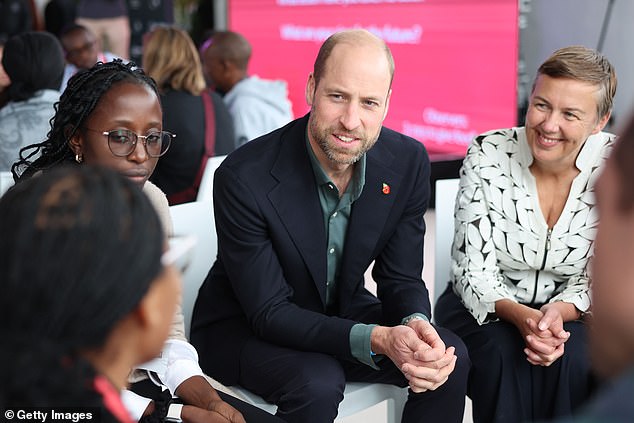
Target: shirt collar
column 358, row 176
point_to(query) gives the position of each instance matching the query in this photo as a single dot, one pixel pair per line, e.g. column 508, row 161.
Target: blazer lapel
column 296, row 201
column 368, row 219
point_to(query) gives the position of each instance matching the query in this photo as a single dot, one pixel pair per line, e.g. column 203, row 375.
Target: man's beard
column 347, row 157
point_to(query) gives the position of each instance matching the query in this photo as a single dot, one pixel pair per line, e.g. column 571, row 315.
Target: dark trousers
column 503, row 385
column 308, row 387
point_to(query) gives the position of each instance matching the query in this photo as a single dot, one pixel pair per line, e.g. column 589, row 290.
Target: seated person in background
column 110, row 115
column 109, row 21
column 5, row 81
column 197, row 114
column 82, row 50
column 525, row 223
column 301, row 213
column 257, row 106
column 34, row 62
column 612, row 322
column 59, row 14
column 15, row 18
column 99, row 300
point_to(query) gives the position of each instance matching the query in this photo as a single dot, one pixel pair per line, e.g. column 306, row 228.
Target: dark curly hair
column 79, row 248
column 76, row 104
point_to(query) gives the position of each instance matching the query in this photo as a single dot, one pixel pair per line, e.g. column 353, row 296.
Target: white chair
column 196, row 218
column 356, row 398
column 205, row 190
column 446, row 191
column 6, row 182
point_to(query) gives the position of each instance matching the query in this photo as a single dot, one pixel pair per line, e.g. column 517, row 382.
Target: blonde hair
column 171, row 59
column 586, row 65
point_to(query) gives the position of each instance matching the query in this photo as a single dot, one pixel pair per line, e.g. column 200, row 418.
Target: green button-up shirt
column 336, row 211
column 336, row 208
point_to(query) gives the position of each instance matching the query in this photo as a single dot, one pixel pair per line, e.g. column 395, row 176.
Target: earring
column 79, row 158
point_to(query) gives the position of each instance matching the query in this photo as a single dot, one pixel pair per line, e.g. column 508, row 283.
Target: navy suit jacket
column 269, row 279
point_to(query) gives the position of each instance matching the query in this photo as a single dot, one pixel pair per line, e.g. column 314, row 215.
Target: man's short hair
column 352, row 36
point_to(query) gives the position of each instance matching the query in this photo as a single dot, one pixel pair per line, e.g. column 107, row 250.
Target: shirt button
column 334, row 214
column 331, row 251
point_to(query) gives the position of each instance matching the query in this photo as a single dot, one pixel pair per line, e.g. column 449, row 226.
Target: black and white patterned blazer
column 502, row 245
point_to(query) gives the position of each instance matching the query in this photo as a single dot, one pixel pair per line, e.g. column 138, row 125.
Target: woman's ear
column 601, row 124
column 74, row 140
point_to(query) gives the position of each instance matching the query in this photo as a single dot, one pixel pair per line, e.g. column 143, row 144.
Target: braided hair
column 79, row 249
column 76, row 104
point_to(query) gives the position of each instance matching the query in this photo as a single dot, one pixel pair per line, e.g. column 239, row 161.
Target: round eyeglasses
column 122, row 142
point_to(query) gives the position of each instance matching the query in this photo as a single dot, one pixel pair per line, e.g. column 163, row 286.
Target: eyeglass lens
column 122, row 142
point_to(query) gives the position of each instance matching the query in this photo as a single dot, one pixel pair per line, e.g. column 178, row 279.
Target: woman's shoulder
column 159, row 201
column 501, row 136
column 498, row 144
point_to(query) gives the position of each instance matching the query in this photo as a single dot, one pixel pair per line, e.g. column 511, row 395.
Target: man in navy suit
column 301, row 213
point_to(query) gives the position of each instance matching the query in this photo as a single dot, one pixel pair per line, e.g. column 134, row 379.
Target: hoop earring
column 79, row 158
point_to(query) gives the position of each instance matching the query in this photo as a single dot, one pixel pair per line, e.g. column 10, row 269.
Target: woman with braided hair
column 86, row 290
column 110, row 115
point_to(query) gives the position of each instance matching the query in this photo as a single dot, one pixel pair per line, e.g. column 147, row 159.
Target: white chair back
column 6, row 182
column 205, row 191
column 446, row 191
column 197, row 219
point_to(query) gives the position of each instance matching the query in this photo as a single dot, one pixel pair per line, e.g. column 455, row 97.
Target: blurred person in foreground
column 525, row 221
column 612, row 322
column 87, row 290
column 301, row 213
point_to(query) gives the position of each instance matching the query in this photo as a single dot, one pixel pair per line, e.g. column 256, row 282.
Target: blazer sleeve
column 257, row 277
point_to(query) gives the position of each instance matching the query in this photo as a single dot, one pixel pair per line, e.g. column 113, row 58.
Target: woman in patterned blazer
column 525, row 225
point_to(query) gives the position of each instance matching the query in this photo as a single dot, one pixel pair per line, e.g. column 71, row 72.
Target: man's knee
column 318, row 387
column 313, row 390
column 309, row 377
column 458, row 378
column 452, row 340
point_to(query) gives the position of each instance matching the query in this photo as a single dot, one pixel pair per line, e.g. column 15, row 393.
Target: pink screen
column 456, row 60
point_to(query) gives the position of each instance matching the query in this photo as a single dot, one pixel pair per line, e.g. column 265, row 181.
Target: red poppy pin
column 386, row 189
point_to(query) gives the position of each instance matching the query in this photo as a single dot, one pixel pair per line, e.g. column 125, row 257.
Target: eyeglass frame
column 136, row 139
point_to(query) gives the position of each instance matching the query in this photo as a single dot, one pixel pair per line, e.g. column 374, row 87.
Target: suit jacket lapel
column 368, row 218
column 296, row 201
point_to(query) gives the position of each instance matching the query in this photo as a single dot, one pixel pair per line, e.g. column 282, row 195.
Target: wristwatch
column 410, row 318
column 174, row 413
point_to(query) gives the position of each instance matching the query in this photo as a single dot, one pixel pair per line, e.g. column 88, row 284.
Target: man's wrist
column 377, row 337
column 415, row 316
